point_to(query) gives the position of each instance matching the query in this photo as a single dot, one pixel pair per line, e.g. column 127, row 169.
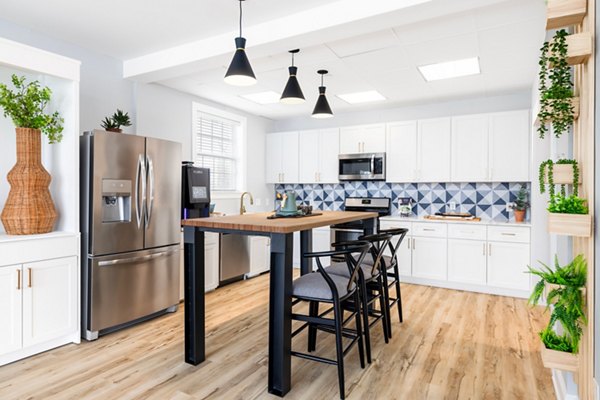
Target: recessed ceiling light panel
column 269, row 97
column 450, row 69
column 362, row 97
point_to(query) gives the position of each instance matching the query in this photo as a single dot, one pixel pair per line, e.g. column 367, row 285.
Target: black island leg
column 280, row 314
column 194, row 295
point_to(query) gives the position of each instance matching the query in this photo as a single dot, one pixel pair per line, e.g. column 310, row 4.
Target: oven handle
column 347, row 230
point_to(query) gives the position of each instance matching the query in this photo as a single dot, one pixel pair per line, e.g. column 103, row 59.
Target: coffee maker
column 195, row 187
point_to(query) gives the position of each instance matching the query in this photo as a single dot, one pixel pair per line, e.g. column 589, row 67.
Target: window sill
column 225, row 195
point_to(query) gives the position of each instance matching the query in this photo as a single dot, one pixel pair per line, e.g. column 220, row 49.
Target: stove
column 353, row 230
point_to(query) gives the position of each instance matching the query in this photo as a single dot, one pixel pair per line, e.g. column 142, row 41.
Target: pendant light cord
column 241, row 18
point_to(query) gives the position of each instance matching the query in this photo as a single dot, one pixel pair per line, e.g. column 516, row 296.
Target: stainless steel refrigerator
column 130, row 221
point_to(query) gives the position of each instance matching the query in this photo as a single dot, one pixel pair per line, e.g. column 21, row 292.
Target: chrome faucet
column 242, row 206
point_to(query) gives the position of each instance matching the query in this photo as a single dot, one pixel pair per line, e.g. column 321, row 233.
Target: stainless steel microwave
column 362, row 167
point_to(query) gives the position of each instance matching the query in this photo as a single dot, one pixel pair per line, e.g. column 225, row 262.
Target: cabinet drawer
column 429, row 229
column 467, row 231
column 392, row 224
column 508, row 234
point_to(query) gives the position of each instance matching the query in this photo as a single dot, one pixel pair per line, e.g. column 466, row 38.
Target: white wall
column 514, row 101
column 167, row 114
column 102, row 86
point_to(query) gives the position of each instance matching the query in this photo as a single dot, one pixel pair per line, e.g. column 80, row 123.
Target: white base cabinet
column 211, row 264
column 260, row 255
column 465, row 256
column 39, row 296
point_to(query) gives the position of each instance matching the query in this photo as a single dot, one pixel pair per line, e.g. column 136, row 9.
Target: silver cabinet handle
column 414, row 243
column 484, row 249
column 490, row 250
column 508, row 234
column 18, row 279
column 29, row 281
column 409, row 243
column 428, row 230
column 150, row 170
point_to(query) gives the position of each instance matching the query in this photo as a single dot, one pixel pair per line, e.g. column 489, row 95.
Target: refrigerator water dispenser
column 116, row 200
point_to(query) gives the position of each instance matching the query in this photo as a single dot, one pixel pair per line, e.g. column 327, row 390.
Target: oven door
column 362, row 167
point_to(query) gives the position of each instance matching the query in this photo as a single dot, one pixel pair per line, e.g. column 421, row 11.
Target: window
column 217, row 144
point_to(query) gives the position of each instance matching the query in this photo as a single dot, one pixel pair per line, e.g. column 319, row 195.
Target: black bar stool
column 321, row 287
column 372, row 286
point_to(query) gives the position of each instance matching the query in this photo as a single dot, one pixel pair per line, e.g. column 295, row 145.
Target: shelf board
column 576, row 105
column 579, row 225
column 562, row 13
column 579, row 47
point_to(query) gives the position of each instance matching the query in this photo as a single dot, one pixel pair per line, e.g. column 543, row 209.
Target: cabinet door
column 373, row 138
column 211, row 261
column 404, row 254
column 329, row 149
column 351, row 140
column 507, row 263
column 308, row 159
column 433, row 155
column 50, row 299
column 470, row 148
column 289, row 157
column 429, row 258
column 322, row 242
column 467, row 261
column 401, row 151
column 11, row 287
column 259, row 255
column 273, row 161
column 510, row 134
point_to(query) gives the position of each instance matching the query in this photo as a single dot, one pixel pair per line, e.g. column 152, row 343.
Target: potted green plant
column 568, row 174
column 521, row 204
column 116, row 121
column 564, row 287
column 569, row 215
column 29, row 208
column 555, row 87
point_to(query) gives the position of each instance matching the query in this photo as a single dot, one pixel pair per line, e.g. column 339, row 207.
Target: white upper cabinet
column 362, row 139
column 433, row 155
column 510, row 134
column 318, row 158
column 401, row 151
column 282, row 158
column 470, row 144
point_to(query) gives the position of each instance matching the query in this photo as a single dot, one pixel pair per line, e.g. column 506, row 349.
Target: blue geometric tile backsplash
column 485, row 200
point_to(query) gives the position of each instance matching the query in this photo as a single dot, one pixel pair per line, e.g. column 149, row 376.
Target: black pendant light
column 292, row 94
column 322, row 109
column 240, row 72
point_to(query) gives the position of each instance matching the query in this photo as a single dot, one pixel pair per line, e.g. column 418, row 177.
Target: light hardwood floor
column 452, row 345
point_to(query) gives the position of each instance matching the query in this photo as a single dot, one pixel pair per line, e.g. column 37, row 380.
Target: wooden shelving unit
column 563, row 13
column 562, row 174
column 579, row 48
column 560, row 360
column 579, row 225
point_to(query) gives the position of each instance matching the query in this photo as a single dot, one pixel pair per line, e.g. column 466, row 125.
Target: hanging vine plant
column 556, row 106
column 546, row 173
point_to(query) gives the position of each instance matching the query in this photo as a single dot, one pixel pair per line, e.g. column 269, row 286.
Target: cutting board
column 452, row 218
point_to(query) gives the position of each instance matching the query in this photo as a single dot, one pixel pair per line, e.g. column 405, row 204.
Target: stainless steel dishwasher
column 235, row 257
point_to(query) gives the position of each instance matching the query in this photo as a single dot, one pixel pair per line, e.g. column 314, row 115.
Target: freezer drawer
column 132, row 285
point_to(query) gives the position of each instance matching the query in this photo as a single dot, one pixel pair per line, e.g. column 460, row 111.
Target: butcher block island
column 281, row 231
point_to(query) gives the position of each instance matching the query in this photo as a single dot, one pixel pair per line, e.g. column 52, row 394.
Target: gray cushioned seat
column 369, row 260
column 341, row 269
column 314, row 286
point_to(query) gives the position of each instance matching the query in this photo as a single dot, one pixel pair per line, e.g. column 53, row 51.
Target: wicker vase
column 29, row 208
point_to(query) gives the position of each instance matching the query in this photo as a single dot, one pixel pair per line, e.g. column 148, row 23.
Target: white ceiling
column 129, row 28
column 505, row 36
column 380, row 52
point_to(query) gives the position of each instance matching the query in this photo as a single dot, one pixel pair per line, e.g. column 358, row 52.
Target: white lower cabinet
column 49, row 299
column 429, row 258
column 11, row 289
column 211, row 261
column 260, row 254
column 507, row 265
column 467, row 261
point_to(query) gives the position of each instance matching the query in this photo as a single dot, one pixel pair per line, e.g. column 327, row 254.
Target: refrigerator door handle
column 138, row 205
column 151, row 177
column 135, row 259
column 144, row 179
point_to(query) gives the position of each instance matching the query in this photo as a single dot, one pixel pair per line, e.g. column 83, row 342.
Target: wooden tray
column 452, row 218
column 275, row 216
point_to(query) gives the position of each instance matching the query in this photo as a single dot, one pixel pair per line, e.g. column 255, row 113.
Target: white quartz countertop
column 457, row 221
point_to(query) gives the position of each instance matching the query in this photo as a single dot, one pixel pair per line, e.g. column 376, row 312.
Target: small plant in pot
column 114, row 123
column 29, row 208
column 521, row 204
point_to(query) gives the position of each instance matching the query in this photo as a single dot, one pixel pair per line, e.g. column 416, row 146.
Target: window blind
column 215, row 148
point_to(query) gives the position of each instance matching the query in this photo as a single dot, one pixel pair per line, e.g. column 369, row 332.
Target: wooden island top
column 258, row 222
